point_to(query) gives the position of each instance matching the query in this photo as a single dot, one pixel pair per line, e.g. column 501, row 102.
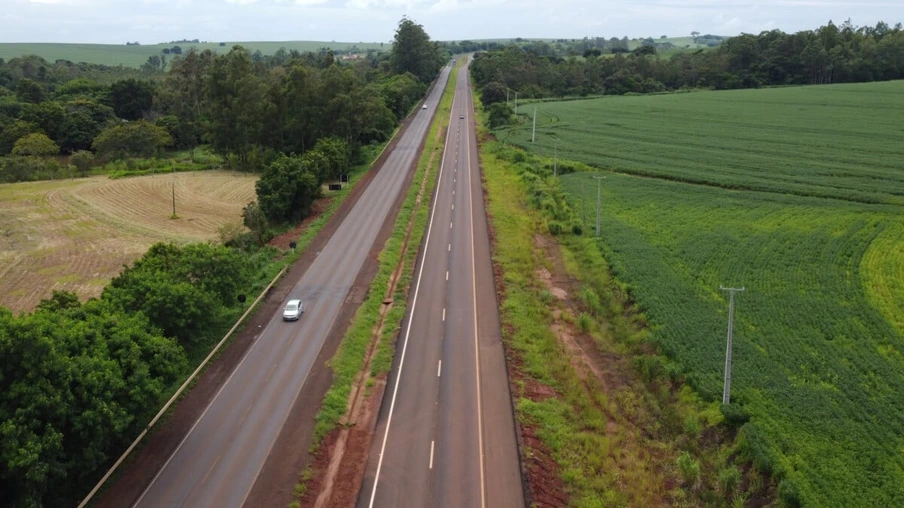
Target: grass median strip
column 397, row 257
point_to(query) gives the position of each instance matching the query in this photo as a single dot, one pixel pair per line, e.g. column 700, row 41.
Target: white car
column 424, row 106
column 294, row 309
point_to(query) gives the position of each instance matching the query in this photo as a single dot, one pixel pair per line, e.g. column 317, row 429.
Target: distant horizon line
column 495, row 39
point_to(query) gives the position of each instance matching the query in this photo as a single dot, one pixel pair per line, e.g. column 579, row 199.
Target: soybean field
column 795, row 194
column 842, row 141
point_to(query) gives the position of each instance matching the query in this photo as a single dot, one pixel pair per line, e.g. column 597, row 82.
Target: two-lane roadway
column 218, row 461
column 445, row 436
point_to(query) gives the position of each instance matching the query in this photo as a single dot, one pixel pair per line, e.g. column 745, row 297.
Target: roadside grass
column 351, row 356
column 615, row 445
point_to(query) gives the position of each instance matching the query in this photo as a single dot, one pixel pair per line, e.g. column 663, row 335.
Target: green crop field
column 134, row 56
column 795, row 194
column 842, row 141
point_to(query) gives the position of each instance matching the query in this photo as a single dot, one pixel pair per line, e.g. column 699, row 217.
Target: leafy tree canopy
column 35, row 144
column 133, row 139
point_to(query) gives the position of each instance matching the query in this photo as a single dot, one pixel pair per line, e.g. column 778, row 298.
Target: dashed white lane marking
column 439, row 368
column 431, row 454
column 444, row 314
column 211, row 469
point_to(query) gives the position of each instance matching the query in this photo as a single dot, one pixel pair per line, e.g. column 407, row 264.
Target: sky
column 152, row 21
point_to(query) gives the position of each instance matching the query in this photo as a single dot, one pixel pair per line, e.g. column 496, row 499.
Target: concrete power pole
column 533, row 134
column 516, row 103
column 599, row 180
column 555, row 161
column 726, row 390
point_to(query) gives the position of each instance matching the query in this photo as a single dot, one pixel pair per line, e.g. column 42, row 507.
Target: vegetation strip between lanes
column 351, row 357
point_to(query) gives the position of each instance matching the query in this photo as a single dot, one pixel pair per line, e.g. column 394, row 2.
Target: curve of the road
column 218, row 461
column 445, row 435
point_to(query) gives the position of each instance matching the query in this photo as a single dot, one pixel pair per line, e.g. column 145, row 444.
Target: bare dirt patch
column 76, row 235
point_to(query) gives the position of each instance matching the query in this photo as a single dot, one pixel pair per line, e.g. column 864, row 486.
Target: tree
column 287, row 188
column 133, row 139
column 336, row 156
column 82, row 160
column 29, row 91
column 48, row 116
column 237, row 111
column 500, row 114
column 255, row 220
column 493, row 92
column 183, row 89
column 11, row 133
column 131, row 99
column 35, row 144
column 413, row 52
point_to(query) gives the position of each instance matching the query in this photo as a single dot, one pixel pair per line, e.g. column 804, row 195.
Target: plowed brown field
column 76, row 235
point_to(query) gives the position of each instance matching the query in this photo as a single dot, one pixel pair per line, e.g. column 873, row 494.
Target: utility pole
column 174, row 192
column 726, row 390
column 533, row 134
column 599, row 180
column 507, row 96
column 555, row 161
column 516, row 103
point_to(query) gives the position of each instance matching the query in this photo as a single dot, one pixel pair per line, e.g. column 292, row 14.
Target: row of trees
column 830, row 54
column 243, row 106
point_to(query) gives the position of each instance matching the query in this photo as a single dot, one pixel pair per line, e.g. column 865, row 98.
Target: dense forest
column 79, row 380
column 249, row 107
column 830, row 54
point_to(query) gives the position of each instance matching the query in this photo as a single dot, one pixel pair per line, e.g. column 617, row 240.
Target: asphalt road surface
column 220, row 458
column 445, row 435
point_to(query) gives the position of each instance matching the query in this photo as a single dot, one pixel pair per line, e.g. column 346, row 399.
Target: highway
column 445, row 436
column 219, row 460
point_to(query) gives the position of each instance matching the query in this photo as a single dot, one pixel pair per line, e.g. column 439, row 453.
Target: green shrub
column 584, row 323
column 555, row 227
column 789, row 493
column 734, row 414
column 689, row 469
column 729, row 478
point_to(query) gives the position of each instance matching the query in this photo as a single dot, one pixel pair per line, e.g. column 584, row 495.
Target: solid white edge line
column 417, row 287
column 483, row 501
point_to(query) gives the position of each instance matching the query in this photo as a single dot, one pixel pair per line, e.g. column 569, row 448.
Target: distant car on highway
column 461, row 117
column 294, row 309
column 424, row 106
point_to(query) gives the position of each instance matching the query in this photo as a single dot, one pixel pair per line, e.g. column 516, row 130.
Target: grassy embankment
column 796, row 194
column 399, row 253
column 632, row 434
